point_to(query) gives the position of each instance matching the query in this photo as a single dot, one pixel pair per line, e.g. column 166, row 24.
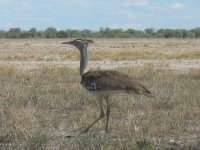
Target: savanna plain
column 42, row 101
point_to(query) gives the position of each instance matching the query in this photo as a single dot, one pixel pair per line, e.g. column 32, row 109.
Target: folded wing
column 112, row 80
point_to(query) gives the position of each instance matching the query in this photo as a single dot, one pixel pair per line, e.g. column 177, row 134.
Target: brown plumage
column 106, row 80
column 105, row 83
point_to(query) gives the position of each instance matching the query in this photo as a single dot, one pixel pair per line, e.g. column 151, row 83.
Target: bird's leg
column 100, row 116
column 107, row 112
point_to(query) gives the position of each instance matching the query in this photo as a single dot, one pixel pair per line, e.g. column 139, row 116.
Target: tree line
column 52, row 32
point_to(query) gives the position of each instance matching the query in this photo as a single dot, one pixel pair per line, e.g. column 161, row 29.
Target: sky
column 93, row 14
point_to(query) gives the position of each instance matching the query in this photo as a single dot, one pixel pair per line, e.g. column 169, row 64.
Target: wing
column 112, row 80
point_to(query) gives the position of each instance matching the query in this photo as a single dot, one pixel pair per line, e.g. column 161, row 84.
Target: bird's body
column 105, row 83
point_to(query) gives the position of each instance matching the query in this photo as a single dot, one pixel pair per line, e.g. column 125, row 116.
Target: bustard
column 104, row 83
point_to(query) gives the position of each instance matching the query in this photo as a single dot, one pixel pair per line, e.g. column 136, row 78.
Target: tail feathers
column 147, row 93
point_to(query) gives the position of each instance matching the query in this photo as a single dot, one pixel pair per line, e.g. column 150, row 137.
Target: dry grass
column 117, row 49
column 38, row 108
column 119, row 54
column 133, row 54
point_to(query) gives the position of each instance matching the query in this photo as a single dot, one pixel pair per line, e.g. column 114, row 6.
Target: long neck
column 83, row 60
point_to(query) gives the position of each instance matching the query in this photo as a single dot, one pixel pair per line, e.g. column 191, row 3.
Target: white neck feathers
column 83, row 61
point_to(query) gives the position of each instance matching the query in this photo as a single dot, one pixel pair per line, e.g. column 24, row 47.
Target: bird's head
column 79, row 43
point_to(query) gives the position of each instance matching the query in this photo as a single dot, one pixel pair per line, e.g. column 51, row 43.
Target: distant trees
column 25, row 34
column 86, row 33
column 196, row 32
column 52, row 32
column 176, row 33
column 2, row 34
column 149, row 32
column 13, row 33
column 33, row 33
column 61, row 34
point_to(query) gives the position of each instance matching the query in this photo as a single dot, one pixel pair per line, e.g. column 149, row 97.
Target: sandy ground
column 45, row 45
column 182, row 65
column 39, row 45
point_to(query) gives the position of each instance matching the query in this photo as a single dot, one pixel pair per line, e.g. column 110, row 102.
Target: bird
column 104, row 83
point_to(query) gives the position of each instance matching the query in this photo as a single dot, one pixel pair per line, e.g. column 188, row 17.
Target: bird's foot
column 76, row 132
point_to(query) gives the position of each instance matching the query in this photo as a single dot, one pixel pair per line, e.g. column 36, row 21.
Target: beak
column 69, row 43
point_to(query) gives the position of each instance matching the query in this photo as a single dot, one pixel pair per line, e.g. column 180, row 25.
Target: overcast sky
column 93, row 14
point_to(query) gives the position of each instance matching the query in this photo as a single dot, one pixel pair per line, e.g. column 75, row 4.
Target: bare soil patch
column 182, row 65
